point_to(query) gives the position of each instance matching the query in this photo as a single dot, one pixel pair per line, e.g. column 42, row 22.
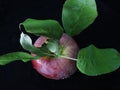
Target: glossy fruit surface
column 57, row 67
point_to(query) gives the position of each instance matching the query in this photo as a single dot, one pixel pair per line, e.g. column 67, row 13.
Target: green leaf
column 49, row 28
column 78, row 15
column 10, row 57
column 53, row 46
column 26, row 43
column 93, row 61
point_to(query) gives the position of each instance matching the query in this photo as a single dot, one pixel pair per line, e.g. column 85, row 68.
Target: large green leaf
column 26, row 43
column 49, row 28
column 93, row 61
column 78, row 15
column 11, row 57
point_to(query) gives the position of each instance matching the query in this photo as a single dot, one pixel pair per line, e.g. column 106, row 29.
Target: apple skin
column 54, row 67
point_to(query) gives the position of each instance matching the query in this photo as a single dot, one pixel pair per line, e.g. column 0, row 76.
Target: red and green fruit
column 57, row 67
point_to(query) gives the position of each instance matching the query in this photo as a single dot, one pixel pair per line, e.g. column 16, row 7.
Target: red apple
column 54, row 67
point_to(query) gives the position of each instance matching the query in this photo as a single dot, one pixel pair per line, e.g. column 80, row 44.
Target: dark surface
column 104, row 33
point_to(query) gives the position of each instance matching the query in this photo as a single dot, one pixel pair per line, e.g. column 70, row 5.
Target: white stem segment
column 69, row 58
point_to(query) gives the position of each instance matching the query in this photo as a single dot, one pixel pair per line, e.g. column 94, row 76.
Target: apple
column 57, row 67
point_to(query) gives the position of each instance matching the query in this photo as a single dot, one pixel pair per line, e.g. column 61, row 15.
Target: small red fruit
column 57, row 67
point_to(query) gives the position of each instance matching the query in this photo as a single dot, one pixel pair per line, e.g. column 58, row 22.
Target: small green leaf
column 49, row 28
column 53, row 46
column 26, row 43
column 11, row 57
column 78, row 15
column 93, row 61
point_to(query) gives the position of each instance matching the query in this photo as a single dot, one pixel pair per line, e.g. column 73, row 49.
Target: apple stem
column 74, row 59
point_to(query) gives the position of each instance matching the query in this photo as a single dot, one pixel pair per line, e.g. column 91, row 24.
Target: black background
column 103, row 33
